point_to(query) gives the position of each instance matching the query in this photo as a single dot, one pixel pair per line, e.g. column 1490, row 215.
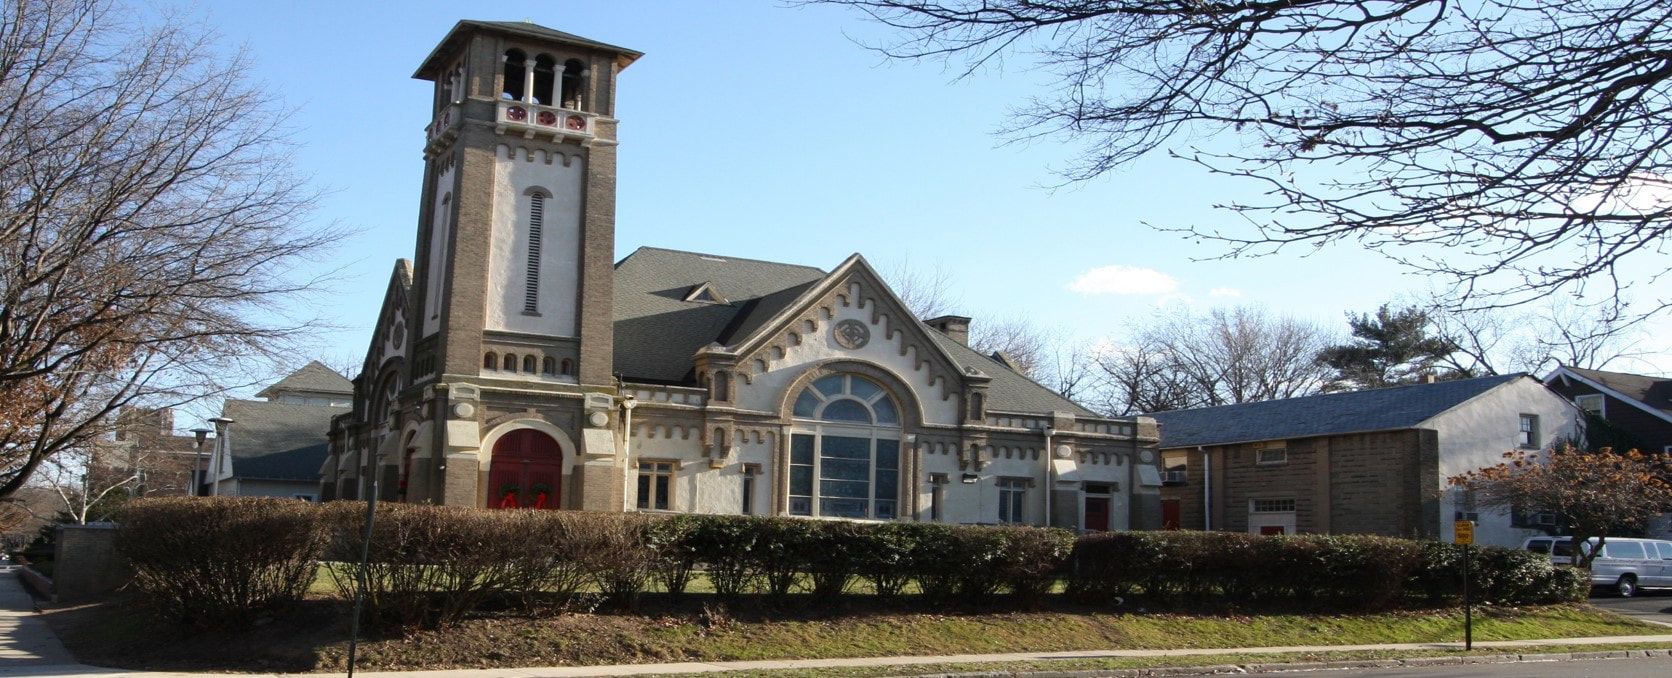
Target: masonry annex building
column 515, row 364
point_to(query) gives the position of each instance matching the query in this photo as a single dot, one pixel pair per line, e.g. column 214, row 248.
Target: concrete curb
column 1279, row 667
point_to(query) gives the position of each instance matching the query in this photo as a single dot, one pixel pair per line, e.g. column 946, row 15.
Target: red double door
column 526, row 471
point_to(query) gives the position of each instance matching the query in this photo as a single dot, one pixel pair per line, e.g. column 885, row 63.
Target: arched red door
column 526, row 471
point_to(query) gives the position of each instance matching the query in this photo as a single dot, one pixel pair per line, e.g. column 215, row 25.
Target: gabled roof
column 524, row 29
column 1009, row 390
column 657, row 330
column 314, row 377
column 278, row 441
column 1650, row 394
column 1381, row 409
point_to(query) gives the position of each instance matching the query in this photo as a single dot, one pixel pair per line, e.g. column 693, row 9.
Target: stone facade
column 576, row 422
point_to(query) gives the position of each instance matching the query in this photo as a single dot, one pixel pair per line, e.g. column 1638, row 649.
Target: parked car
column 1625, row 566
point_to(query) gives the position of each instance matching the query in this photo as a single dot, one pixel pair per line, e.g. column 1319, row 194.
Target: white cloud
column 1124, row 280
column 1225, row 293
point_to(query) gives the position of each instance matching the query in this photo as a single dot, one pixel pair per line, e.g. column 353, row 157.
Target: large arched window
column 845, row 450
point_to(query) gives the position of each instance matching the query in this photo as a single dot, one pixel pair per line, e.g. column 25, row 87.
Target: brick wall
column 1369, row 483
column 85, row 562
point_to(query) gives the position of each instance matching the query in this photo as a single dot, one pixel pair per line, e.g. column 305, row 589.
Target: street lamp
column 221, row 424
column 198, row 472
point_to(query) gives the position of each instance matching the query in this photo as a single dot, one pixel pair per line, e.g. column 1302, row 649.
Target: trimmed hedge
column 222, row 562
column 1329, row 572
column 430, row 566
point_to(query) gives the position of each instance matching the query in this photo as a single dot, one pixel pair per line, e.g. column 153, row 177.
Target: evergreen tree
column 1389, row 348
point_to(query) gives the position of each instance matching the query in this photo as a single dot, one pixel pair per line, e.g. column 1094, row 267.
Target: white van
column 1625, row 565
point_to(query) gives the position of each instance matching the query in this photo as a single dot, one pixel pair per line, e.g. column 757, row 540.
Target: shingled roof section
column 1009, row 391
column 657, row 330
column 278, row 441
column 1382, row 409
column 314, row 377
column 1655, row 392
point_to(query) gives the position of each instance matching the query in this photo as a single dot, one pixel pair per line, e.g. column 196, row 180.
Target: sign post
column 1464, row 535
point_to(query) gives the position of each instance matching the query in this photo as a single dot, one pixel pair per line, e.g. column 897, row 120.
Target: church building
column 515, row 364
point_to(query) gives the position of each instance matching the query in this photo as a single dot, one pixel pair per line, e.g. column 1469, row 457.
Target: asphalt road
column 1656, row 667
column 1654, row 606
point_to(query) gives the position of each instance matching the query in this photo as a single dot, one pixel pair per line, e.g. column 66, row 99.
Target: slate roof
column 1655, row 392
column 314, row 377
column 278, row 441
column 1382, row 409
column 1009, row 390
column 523, row 28
column 657, row 331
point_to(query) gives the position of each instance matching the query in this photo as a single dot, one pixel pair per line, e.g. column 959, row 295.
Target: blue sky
column 754, row 130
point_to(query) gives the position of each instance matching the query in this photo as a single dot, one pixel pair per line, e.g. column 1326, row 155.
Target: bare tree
column 1519, row 147
column 1223, row 357
column 151, row 229
column 926, row 292
column 1560, row 331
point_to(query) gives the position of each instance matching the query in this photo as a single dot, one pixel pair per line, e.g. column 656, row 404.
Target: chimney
column 955, row 326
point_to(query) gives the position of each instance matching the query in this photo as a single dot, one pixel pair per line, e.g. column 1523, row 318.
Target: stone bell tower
column 516, row 236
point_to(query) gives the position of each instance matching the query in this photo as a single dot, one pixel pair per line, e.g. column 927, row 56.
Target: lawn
column 119, row 635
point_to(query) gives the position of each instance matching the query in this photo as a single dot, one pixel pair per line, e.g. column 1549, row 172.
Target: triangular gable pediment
column 390, row 335
column 853, row 284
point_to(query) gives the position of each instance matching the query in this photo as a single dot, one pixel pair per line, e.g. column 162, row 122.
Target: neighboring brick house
column 145, row 447
column 274, row 447
column 516, row 363
column 1372, row 462
column 1637, row 407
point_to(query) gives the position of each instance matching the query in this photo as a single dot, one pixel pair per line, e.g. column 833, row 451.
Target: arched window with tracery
column 845, row 450
column 510, row 363
column 573, row 75
column 515, row 77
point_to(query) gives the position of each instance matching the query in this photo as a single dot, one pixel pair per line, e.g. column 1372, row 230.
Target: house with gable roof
column 275, row 445
column 519, row 366
column 1361, row 462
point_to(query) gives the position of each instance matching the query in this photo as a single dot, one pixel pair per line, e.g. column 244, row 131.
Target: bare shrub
column 221, row 562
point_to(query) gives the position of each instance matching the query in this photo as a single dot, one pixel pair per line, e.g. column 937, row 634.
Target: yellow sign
column 1465, row 531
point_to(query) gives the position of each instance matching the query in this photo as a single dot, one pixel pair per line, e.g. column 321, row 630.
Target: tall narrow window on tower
column 572, row 73
column 545, row 71
column 536, row 224
column 516, row 69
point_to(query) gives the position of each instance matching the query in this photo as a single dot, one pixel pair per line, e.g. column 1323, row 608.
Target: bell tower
column 511, row 290
column 516, row 229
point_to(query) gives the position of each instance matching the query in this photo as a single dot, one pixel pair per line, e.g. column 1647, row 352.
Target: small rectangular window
column 1271, row 455
column 1594, row 403
column 1011, row 495
column 655, row 485
column 1273, row 506
column 1527, row 437
column 748, row 495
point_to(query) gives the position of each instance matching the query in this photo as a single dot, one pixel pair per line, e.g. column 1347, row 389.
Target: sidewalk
column 28, row 648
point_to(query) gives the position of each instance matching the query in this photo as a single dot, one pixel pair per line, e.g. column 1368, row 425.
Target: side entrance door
column 1169, row 514
column 1097, row 514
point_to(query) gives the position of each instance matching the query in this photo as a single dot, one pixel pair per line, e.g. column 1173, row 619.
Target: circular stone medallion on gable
column 851, row 334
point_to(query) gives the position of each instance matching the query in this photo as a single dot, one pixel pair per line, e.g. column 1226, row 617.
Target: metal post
column 1468, row 604
column 360, row 576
